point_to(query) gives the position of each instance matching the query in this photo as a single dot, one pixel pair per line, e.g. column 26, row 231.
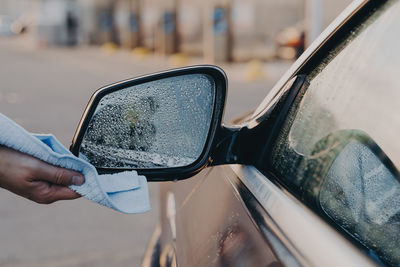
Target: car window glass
column 338, row 149
column 361, row 194
column 358, row 87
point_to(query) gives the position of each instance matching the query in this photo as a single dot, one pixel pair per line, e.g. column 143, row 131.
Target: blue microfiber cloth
column 126, row 192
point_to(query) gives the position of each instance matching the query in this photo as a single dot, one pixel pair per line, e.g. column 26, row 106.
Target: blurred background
column 218, row 30
column 55, row 53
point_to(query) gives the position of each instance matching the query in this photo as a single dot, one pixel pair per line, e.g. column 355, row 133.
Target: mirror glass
column 158, row 124
column 362, row 195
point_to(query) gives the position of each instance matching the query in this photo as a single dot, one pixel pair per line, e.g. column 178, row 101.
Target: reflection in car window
column 360, row 193
column 339, row 149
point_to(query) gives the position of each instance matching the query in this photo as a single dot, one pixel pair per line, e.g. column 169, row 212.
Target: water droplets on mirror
column 158, row 124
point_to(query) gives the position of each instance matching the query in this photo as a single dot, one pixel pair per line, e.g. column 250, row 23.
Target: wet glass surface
column 338, row 149
column 363, row 196
column 157, row 124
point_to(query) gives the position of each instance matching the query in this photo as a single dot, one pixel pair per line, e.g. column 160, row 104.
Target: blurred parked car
column 310, row 178
column 10, row 26
column 291, row 42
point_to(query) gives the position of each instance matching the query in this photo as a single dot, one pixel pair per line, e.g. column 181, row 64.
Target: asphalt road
column 46, row 91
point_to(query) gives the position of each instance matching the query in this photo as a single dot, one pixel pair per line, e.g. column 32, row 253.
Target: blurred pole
column 114, row 29
column 217, row 31
column 314, row 20
column 167, row 34
column 128, row 22
column 105, row 21
column 135, row 24
column 177, row 37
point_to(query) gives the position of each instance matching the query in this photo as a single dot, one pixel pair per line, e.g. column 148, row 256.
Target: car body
column 246, row 215
column 310, row 178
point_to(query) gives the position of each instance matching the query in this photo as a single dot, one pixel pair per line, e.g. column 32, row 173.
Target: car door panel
column 214, row 228
column 234, row 216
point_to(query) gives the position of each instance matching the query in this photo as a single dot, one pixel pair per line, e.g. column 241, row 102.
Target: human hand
column 34, row 179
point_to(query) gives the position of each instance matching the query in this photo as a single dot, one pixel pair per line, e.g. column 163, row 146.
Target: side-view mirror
column 161, row 125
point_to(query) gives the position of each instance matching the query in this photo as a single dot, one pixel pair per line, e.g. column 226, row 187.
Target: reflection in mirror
column 158, row 124
column 362, row 195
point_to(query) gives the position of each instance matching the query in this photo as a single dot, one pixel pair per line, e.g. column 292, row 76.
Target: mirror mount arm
column 227, row 146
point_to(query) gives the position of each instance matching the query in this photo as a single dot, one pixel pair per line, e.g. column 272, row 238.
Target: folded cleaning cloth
column 126, row 192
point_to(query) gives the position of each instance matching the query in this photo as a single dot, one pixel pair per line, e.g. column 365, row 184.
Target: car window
column 338, row 149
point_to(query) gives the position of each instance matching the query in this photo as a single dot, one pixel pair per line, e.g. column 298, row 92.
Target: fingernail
column 77, row 180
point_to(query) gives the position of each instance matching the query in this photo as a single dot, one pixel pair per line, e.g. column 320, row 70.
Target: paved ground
column 46, row 91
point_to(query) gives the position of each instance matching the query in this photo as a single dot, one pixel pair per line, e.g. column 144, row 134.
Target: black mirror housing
column 96, row 135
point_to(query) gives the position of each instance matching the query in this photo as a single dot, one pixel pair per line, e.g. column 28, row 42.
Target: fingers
column 34, row 179
column 58, row 176
column 62, row 193
column 46, row 193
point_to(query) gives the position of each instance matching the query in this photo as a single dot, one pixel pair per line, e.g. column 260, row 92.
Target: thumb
column 58, row 175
